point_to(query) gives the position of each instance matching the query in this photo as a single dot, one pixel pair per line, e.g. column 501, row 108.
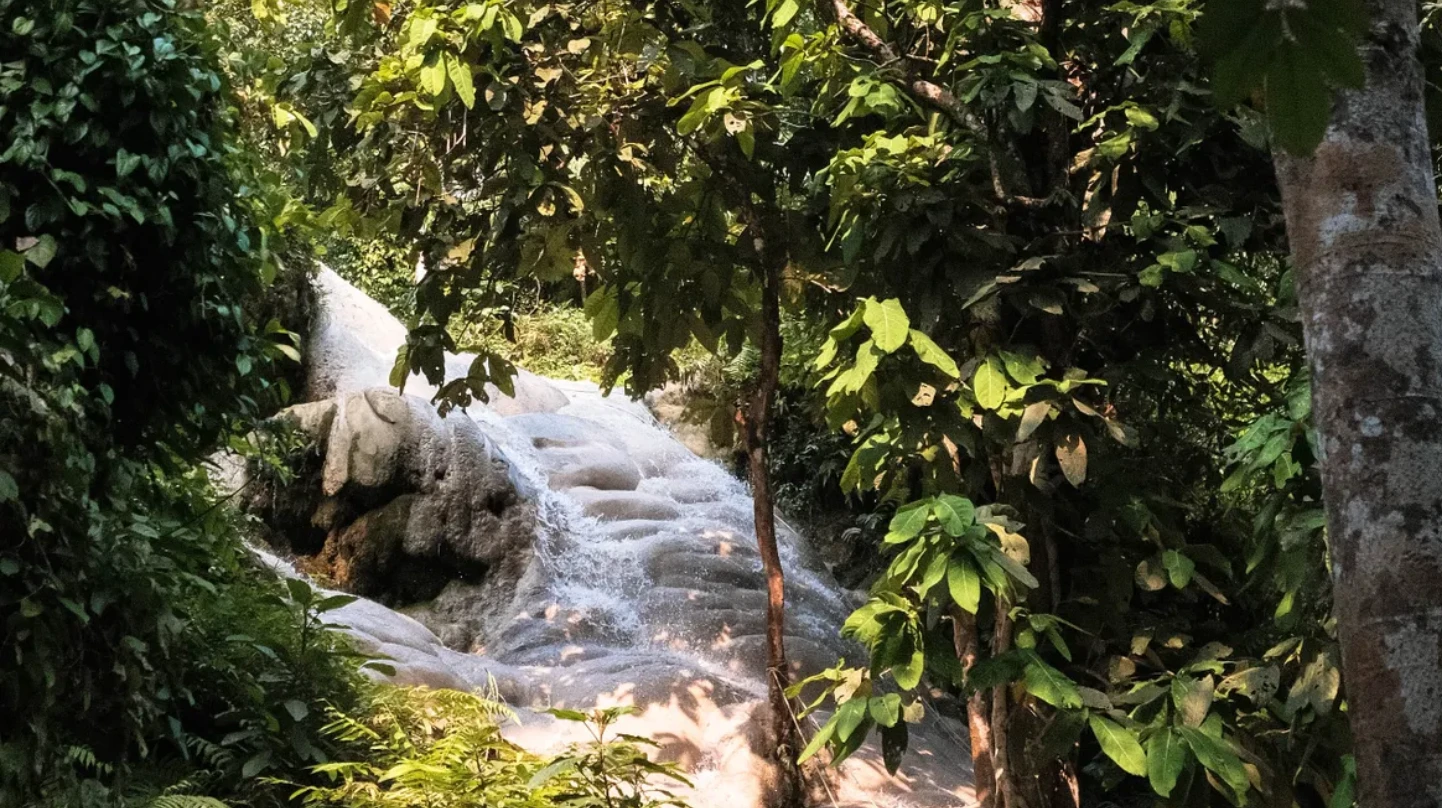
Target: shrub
column 130, row 274
column 444, row 748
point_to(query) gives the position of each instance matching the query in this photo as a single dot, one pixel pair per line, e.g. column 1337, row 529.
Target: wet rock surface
column 572, row 552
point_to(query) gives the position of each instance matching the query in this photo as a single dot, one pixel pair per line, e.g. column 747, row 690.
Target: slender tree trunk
column 757, row 428
column 1008, row 795
column 964, row 636
column 1363, row 224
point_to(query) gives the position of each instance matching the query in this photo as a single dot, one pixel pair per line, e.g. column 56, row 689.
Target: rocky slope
column 561, row 544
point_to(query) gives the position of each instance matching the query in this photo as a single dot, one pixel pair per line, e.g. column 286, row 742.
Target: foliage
column 445, row 748
column 1044, row 257
column 136, row 337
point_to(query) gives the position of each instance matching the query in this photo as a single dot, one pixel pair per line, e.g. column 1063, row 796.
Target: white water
column 654, row 599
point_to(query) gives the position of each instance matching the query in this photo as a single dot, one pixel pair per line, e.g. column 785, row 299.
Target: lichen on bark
column 1367, row 245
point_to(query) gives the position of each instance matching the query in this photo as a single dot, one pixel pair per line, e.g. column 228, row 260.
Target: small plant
column 611, row 771
column 444, row 749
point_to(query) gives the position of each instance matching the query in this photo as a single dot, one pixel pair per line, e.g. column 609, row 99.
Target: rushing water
column 645, row 587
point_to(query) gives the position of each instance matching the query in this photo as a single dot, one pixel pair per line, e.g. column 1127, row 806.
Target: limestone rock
column 396, row 502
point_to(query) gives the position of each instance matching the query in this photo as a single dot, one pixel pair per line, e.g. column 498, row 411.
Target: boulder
column 395, row 502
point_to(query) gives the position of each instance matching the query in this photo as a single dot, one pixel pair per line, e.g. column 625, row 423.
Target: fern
column 185, row 801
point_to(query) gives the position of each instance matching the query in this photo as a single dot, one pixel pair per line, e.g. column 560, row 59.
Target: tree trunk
column 1363, row 225
column 1008, row 796
column 978, row 709
column 757, row 426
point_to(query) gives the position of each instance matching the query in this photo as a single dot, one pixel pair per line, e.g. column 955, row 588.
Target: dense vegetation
column 1015, row 274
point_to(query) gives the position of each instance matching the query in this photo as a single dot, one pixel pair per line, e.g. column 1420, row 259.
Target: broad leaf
column 1120, row 744
column 1051, row 685
column 1166, row 756
column 964, row 584
column 1217, row 756
column 888, row 322
column 1032, row 417
column 989, row 384
column 932, row 354
column 1071, row 455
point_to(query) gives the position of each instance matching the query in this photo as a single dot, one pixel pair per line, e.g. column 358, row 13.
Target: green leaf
column 1217, row 756
column 964, row 584
column 1299, row 104
column 885, row 710
column 1193, row 698
column 932, row 354
column 1142, row 119
column 955, row 514
column 1244, row 41
column 604, row 311
column 1013, row 567
column 989, row 384
column 818, row 740
column 42, row 252
column 1166, row 756
column 908, row 522
column 1120, row 744
column 849, row 716
column 460, row 74
column 8, row 488
column 1179, row 568
column 433, row 76
column 907, row 673
column 1051, row 685
column 12, row 264
column 1023, row 368
column 1345, row 794
column 888, row 322
column 296, row 708
column 255, row 765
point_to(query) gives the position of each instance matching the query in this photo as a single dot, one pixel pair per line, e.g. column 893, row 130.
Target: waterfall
column 641, row 584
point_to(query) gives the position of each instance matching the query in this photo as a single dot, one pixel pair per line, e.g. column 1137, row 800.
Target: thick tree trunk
column 757, row 427
column 1363, row 224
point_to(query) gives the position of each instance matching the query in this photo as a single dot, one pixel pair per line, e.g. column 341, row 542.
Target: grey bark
column 1365, row 239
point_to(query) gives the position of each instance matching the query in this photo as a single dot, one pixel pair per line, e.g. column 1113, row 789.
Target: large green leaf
column 932, row 354
column 433, row 76
column 1179, row 568
column 908, row 672
column 849, row 716
column 908, row 522
column 885, row 710
column 818, row 740
column 1051, row 685
column 1193, row 698
column 1217, row 756
column 989, row 384
column 955, row 514
column 888, row 322
column 460, row 74
column 964, row 584
column 1120, row 744
column 1166, row 756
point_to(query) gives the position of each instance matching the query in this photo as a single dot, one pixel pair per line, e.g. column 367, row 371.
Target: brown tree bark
column 978, row 708
column 1008, row 794
column 756, row 426
column 1367, row 245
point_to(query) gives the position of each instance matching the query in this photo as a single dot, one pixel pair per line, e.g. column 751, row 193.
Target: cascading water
column 641, row 585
